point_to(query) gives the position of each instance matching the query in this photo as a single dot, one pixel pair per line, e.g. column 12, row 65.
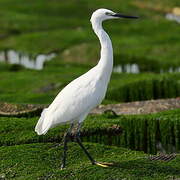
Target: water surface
column 136, row 69
column 15, row 57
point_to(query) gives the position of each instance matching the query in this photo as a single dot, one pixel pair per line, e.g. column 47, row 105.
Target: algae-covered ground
column 42, row 161
column 151, row 42
column 40, row 87
column 46, row 26
column 25, row 155
column 63, row 27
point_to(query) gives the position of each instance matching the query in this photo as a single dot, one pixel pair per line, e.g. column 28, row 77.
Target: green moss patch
column 134, row 87
column 42, row 161
column 139, row 132
column 29, row 28
column 27, row 86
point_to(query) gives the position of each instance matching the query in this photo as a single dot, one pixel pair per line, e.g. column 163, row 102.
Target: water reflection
column 128, row 68
column 173, row 17
column 135, row 69
column 14, row 57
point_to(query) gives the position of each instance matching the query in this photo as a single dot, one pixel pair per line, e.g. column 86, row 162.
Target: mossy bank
column 24, row 155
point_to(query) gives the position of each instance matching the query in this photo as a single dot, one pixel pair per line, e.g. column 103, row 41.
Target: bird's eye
column 108, row 14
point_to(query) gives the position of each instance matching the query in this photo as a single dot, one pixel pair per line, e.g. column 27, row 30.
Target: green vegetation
column 139, row 132
column 30, row 86
column 42, row 161
column 24, row 155
column 152, row 42
column 44, row 27
column 134, row 87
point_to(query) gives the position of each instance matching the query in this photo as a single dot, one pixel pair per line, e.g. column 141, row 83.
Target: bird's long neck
column 106, row 57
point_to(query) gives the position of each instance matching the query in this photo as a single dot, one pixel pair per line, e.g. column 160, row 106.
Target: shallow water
column 135, row 69
column 127, row 68
column 173, row 17
column 14, row 57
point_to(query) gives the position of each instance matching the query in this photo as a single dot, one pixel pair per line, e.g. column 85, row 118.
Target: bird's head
column 105, row 14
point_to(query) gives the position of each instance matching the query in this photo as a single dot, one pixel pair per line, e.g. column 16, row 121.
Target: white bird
column 83, row 94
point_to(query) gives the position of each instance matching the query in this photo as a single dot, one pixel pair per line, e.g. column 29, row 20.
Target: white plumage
column 74, row 102
column 83, row 94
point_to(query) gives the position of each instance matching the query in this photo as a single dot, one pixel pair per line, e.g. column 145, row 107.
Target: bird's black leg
column 86, row 152
column 77, row 136
column 78, row 132
column 65, row 140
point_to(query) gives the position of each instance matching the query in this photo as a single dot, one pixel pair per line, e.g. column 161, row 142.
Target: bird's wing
column 39, row 124
column 77, row 97
column 75, row 100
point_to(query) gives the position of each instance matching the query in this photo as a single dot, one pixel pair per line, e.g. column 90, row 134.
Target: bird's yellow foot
column 103, row 164
column 62, row 166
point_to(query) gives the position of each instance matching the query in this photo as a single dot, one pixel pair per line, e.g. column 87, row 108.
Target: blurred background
column 46, row 44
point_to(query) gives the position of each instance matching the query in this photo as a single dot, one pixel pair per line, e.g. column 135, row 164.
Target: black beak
column 118, row 15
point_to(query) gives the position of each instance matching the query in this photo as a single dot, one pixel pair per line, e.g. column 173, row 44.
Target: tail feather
column 42, row 127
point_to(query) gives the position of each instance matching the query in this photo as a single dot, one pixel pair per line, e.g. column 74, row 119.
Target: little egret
column 83, row 94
